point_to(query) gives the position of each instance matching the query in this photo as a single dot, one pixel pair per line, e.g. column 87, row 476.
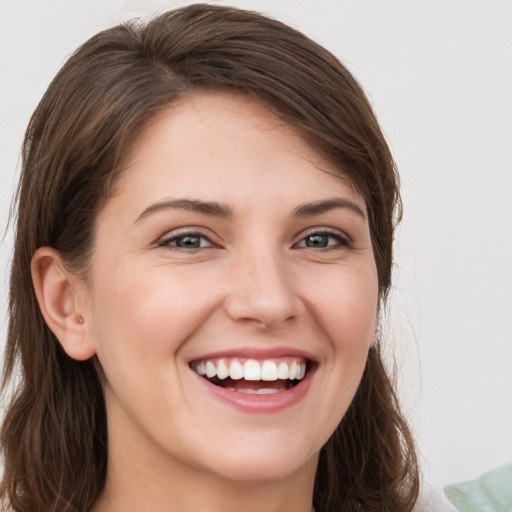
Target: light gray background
column 439, row 74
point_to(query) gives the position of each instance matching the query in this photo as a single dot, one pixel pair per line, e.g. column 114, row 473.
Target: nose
column 262, row 292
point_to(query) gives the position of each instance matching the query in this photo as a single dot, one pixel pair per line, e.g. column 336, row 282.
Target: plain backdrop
column 439, row 75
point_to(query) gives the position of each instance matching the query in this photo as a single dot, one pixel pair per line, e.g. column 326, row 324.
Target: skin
column 149, row 307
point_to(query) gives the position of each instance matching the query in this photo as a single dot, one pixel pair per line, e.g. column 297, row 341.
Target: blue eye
column 317, row 241
column 323, row 241
column 186, row 241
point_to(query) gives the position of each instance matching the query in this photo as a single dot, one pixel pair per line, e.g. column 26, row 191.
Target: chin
column 270, row 462
column 258, row 469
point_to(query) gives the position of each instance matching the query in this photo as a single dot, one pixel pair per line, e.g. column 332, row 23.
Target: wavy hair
column 54, row 435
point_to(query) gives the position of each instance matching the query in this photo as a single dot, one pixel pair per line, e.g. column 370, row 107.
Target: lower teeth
column 257, row 391
column 228, row 384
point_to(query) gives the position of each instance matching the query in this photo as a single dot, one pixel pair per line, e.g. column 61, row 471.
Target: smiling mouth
column 252, row 376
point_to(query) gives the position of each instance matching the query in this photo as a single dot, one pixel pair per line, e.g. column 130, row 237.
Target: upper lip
column 258, row 353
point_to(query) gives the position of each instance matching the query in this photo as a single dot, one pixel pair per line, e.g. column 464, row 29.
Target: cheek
column 150, row 312
column 141, row 321
column 346, row 305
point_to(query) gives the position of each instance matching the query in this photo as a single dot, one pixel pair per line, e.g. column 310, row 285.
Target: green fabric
column 491, row 492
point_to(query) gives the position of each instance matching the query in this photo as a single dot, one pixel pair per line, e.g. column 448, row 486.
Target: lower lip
column 269, row 403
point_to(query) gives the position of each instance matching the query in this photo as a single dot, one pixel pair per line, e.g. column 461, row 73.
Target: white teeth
column 200, row 369
column 265, row 391
column 268, row 391
column 222, row 370
column 282, row 370
column 292, row 375
column 211, row 371
column 269, row 371
column 236, row 370
column 252, row 370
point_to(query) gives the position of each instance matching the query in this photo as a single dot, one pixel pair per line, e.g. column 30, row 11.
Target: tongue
column 255, row 385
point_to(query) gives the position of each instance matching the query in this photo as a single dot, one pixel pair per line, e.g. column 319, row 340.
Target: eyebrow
column 214, row 209
column 319, row 207
column 203, row 207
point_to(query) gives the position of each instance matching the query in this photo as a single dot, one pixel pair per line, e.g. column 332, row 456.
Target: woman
column 207, row 208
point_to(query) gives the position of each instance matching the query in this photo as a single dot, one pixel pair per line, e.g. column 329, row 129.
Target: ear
column 61, row 297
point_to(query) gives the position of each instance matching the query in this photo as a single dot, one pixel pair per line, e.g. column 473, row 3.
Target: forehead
column 234, row 118
column 224, row 144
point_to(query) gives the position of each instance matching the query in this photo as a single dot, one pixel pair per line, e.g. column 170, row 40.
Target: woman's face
column 229, row 249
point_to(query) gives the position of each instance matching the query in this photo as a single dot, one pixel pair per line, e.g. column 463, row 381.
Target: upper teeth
column 251, row 369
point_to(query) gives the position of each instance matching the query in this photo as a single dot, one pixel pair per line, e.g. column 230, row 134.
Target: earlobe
column 61, row 303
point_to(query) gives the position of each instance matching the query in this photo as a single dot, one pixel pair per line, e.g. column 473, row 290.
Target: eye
column 187, row 241
column 323, row 240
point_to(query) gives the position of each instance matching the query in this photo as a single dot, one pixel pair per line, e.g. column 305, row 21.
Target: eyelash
column 341, row 241
column 168, row 242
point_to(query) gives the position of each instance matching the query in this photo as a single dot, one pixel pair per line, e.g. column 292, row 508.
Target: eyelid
column 343, row 239
column 165, row 240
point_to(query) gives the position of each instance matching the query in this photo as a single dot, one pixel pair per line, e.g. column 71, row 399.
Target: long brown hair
column 54, row 435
